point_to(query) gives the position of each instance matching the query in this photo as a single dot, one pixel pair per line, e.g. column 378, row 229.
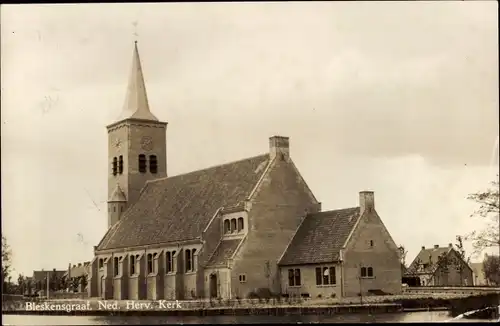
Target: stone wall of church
column 278, row 207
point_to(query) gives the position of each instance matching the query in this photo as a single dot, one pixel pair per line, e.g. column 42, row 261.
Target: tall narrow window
column 291, row 278
column 333, row 279
column 297, row 277
column 116, row 266
column 240, row 224
column 169, row 262
column 115, row 165
column 132, row 265
column 319, row 277
column 227, row 227
column 120, row 164
column 173, row 261
column 188, row 260
column 150, row 263
column 369, row 272
column 153, row 164
column 363, row 271
column 142, row 163
column 233, row 225
column 193, row 260
column 101, row 263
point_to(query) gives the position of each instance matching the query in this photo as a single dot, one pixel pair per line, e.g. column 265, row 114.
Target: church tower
column 136, row 146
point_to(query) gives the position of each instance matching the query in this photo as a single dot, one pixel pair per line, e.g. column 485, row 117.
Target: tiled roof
column 223, row 252
column 117, row 195
column 428, row 256
column 77, row 271
column 320, row 237
column 42, row 275
column 179, row 208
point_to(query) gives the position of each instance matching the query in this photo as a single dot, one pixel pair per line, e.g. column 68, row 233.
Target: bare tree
column 462, row 263
column 488, row 201
column 402, row 255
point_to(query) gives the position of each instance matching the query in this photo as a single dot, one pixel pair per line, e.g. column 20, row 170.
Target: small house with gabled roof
column 440, row 266
column 341, row 253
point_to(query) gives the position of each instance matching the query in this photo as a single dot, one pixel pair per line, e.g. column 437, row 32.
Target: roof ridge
column 333, row 210
column 207, row 168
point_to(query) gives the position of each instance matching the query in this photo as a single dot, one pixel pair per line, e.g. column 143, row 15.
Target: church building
column 228, row 230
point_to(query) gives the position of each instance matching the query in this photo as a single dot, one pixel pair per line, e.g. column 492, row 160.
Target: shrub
column 264, row 293
column 252, row 295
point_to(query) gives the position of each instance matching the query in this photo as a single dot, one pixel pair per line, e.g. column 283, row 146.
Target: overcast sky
column 398, row 98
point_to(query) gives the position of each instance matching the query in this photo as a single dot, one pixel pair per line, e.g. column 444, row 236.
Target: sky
column 400, row 98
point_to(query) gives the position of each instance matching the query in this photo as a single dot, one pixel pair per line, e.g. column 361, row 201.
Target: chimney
column 423, row 247
column 450, row 245
column 279, row 145
column 366, row 201
column 436, row 246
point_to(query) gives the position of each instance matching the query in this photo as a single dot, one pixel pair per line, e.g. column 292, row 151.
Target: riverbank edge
column 237, row 311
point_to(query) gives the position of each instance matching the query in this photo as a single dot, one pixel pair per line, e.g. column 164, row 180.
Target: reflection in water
column 435, row 316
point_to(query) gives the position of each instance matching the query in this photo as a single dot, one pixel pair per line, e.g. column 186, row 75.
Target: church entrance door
column 213, row 285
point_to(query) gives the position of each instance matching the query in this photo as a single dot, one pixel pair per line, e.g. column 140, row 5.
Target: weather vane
column 135, row 30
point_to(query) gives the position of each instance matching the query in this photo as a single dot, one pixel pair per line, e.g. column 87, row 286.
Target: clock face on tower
column 147, row 143
column 118, row 143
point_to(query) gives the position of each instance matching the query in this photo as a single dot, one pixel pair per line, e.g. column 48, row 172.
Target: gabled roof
column 178, row 208
column 39, row 276
column 117, row 195
column 320, row 237
column 78, row 270
column 427, row 258
column 224, row 251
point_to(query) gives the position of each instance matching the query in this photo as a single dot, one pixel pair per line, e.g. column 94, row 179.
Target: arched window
column 227, row 226
column 142, row 163
column 240, row 224
column 233, row 225
column 188, row 260
column 116, row 266
column 120, row 164
column 101, row 263
column 153, row 164
column 115, row 165
column 132, row 265
column 150, row 263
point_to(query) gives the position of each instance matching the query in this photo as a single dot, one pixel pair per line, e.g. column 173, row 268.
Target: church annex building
column 227, row 230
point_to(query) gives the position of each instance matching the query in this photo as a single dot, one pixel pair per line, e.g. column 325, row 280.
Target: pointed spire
column 136, row 101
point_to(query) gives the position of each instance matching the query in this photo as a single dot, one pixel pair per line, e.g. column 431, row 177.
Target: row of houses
column 73, row 279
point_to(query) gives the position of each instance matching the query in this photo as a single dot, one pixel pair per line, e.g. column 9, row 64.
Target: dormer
column 234, row 222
